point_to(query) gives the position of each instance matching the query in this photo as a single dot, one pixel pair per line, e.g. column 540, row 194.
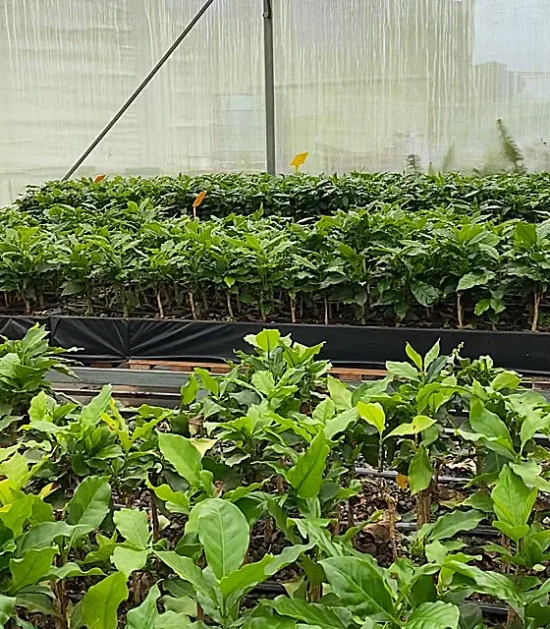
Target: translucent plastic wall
column 360, row 84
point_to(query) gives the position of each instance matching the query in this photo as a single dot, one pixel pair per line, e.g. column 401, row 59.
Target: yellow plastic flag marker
column 299, row 160
column 197, row 202
column 99, row 178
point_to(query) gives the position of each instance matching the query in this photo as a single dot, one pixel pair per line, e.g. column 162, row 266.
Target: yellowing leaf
column 299, row 160
column 99, row 178
column 199, row 199
column 402, row 481
column 203, row 444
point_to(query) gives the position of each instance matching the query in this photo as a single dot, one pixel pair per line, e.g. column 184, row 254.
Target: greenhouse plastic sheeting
column 116, row 340
column 360, row 84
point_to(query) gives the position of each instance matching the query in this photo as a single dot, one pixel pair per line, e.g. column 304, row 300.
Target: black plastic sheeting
column 112, row 340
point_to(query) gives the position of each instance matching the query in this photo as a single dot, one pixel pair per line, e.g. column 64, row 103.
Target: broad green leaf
column 249, row 575
column 447, row 526
column 340, row 423
column 313, row 615
column 531, row 472
column 43, row 535
column 264, row 382
column 183, row 455
column 505, row 380
column 418, row 424
column 437, row 615
column 41, row 406
column 402, row 371
column 224, row 533
column 488, row 424
column 513, row 502
column 340, row 393
column 420, row 471
column 432, row 354
column 203, row 444
column 425, row 295
column 176, row 501
column 189, row 390
column 373, row 414
column 133, row 526
column 89, row 506
column 144, row 616
column 15, row 515
column 525, row 234
column 324, row 411
column 101, row 602
column 127, row 560
column 7, row 607
column 208, row 381
column 471, row 280
column 91, row 413
column 414, row 356
column 306, row 477
column 71, row 570
column 360, row 587
column 31, row 568
column 267, row 340
column 533, row 422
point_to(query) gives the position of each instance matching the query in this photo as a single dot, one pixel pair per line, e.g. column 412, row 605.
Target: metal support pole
column 269, row 88
column 139, row 89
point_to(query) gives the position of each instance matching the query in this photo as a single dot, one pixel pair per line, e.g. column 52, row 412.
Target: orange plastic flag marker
column 299, row 160
column 197, row 202
column 402, row 481
column 99, row 178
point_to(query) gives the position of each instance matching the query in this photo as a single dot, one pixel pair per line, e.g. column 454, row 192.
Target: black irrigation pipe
column 139, row 89
column 271, row 587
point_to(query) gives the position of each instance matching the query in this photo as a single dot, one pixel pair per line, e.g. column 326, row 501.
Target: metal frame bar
column 269, row 67
column 139, row 89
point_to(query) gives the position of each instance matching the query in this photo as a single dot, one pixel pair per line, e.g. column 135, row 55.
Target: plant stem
column 459, row 311
column 293, row 309
column 159, row 304
column 423, row 507
column 192, row 304
column 325, row 302
column 229, row 306
column 537, row 296
column 154, row 516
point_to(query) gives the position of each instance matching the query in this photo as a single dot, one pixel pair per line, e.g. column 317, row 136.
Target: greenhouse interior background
column 359, row 84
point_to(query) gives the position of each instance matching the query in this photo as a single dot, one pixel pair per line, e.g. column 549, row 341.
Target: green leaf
column 314, row 615
column 224, row 533
column 432, row 354
column 471, row 280
column 31, row 568
column 373, row 414
column 402, row 371
column 101, row 602
column 418, row 424
column 208, row 381
column 306, row 477
column 324, row 411
column 71, row 570
column 176, row 501
column 144, row 616
column 89, row 506
column 420, row 471
column 506, row 380
column 340, row 423
column 360, row 587
column 424, row 294
column 513, row 502
column 7, row 607
column 414, row 356
column 447, row 526
column 534, row 421
column 127, row 560
column 340, row 393
column 267, row 340
column 91, row 413
column 525, row 234
column 531, row 473
column 41, row 406
column 264, row 382
column 437, row 615
column 189, row 390
column 488, row 424
column 133, row 526
column 183, row 455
